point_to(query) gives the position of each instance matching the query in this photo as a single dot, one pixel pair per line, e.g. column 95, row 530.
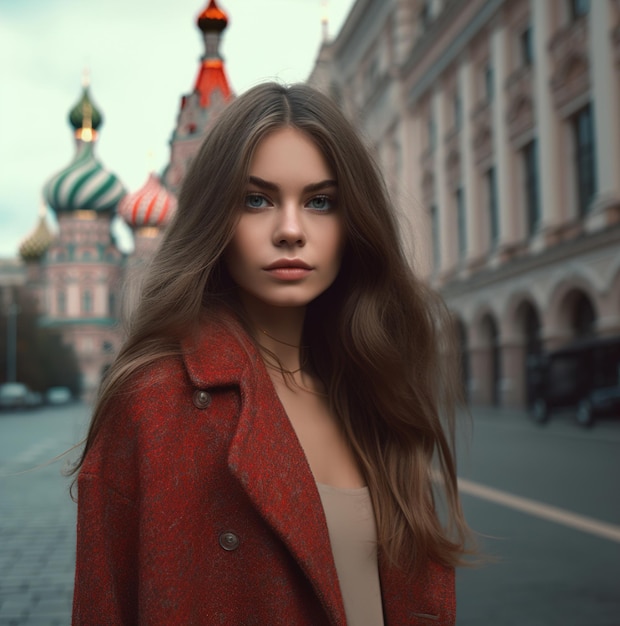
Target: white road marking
column 542, row 510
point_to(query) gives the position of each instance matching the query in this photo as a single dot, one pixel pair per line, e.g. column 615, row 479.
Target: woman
column 261, row 448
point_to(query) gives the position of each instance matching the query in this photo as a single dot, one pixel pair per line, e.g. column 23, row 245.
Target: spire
column 84, row 116
column 212, row 76
column 325, row 21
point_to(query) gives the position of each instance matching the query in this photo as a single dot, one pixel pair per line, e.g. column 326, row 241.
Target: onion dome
column 212, row 19
column 84, row 185
column 151, row 205
column 36, row 244
column 84, row 114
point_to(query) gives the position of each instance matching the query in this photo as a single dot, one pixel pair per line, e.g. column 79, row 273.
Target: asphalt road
column 556, row 546
column 551, row 522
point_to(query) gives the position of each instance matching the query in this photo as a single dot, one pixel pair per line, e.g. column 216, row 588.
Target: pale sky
column 142, row 56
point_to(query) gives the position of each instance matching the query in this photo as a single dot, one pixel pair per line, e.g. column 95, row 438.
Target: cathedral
column 83, row 283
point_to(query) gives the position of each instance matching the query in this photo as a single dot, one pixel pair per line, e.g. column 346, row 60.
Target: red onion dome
column 152, row 205
column 212, row 19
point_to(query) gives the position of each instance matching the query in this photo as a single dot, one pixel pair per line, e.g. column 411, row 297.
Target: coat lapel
column 266, row 457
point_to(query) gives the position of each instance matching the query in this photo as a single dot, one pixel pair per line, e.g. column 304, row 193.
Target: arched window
column 584, row 317
column 461, row 333
column 493, row 357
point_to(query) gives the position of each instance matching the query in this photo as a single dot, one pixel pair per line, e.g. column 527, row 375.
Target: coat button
column 229, row 541
column 201, row 399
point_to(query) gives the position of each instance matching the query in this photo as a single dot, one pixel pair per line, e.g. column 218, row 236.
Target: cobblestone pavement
column 37, row 516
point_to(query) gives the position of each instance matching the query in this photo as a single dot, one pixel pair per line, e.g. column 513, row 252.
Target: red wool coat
column 196, row 506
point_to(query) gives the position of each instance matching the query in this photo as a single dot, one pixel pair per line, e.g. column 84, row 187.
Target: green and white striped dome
column 84, row 185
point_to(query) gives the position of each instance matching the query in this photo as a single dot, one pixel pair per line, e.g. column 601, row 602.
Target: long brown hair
column 379, row 338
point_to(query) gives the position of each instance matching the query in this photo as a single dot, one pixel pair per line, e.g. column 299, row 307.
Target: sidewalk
column 37, row 560
column 37, row 518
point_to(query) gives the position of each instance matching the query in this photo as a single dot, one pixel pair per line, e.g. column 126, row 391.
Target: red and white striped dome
column 151, row 205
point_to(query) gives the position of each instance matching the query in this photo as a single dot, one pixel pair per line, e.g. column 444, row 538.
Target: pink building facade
column 497, row 126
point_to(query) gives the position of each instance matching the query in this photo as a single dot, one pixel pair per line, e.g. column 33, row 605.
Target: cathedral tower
column 200, row 107
column 83, row 265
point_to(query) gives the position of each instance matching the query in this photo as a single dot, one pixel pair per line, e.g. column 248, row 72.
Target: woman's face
column 288, row 243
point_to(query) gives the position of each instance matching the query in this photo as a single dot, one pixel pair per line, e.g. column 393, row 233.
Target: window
column 435, row 237
column 457, row 110
column 372, row 74
column 584, row 158
column 488, row 82
column 530, row 183
column 426, row 14
column 526, row 46
column 493, row 208
column 432, row 133
column 61, row 302
column 578, row 8
column 461, row 222
column 111, row 304
column 87, row 302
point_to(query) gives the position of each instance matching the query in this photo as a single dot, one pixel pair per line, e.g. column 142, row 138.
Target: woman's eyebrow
column 265, row 184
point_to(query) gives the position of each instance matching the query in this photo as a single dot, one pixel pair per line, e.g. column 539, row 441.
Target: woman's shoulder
column 216, row 353
column 145, row 397
column 219, row 352
column 151, row 410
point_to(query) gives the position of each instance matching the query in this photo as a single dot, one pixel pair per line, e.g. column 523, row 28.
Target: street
column 545, row 573
column 550, row 522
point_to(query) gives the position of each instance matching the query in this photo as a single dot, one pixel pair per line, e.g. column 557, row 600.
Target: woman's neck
column 278, row 330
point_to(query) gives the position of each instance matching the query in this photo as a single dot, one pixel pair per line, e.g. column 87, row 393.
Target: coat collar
column 265, row 455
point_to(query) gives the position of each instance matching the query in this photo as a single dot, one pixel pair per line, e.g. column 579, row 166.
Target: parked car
column 58, row 395
column 13, row 396
column 584, row 376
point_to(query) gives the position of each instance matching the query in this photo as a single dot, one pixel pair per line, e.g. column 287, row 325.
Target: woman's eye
column 320, row 203
column 255, row 201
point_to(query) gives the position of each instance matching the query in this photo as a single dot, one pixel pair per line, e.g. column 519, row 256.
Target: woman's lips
column 289, row 269
column 291, row 272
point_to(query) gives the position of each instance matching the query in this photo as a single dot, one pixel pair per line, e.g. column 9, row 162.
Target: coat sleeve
column 106, row 576
column 107, row 573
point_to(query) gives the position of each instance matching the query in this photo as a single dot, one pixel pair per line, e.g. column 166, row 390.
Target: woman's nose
column 289, row 229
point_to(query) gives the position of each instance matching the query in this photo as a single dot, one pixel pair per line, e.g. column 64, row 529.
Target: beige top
column 353, row 536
